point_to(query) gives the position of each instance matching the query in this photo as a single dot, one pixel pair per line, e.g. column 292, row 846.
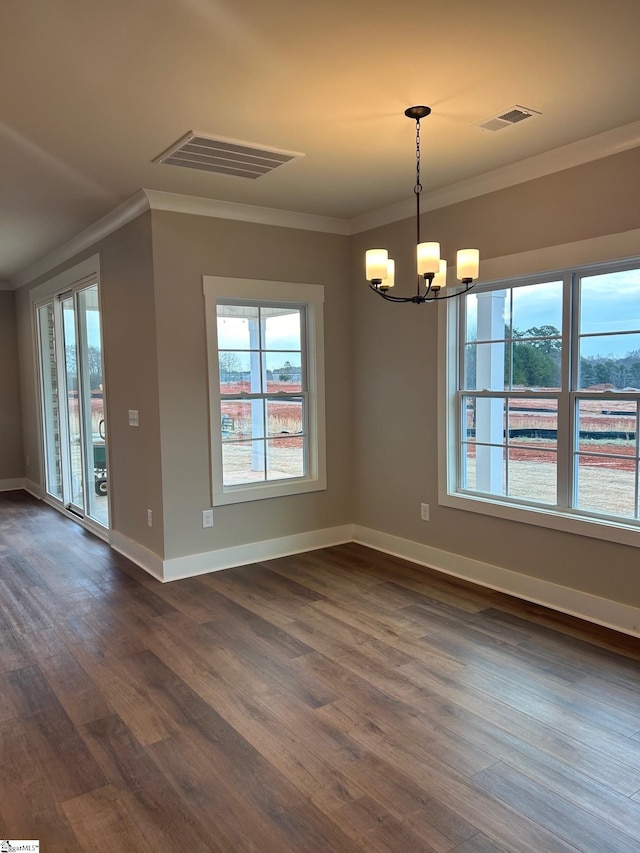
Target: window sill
column 596, row 528
column 261, row 491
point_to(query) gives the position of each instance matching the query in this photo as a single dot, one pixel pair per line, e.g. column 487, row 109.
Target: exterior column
column 490, row 377
column 258, row 376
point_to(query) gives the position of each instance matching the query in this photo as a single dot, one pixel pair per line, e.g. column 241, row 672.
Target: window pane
column 491, row 320
column 537, row 309
column 237, row 327
column 486, row 367
column 533, row 423
column 282, row 328
column 235, row 372
column 485, row 419
column 278, row 458
column 484, row 469
column 536, row 364
column 608, row 426
column 469, row 467
column 601, row 313
column 284, row 372
column 286, row 457
column 243, row 462
column 533, row 474
column 469, row 418
column 490, row 420
column 230, row 412
column 470, row 361
column 242, row 419
column 606, row 485
column 611, row 360
column 471, row 319
column 285, row 417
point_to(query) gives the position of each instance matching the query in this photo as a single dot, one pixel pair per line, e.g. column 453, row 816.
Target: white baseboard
column 137, row 553
column 226, row 558
column 574, row 602
column 12, row 485
column 252, row 552
column 34, row 489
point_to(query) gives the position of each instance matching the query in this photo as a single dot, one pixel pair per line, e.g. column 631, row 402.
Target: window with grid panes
column 266, row 388
column 547, row 390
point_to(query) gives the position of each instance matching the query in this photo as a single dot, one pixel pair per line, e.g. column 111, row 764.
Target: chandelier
column 432, row 270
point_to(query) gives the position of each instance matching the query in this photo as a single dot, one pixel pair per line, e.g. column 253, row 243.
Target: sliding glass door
column 50, row 394
column 73, row 415
column 75, row 491
column 91, row 404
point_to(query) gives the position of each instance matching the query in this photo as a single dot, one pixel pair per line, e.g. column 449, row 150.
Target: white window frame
column 584, row 257
column 220, row 290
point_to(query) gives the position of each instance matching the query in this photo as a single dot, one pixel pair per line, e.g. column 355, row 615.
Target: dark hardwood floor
column 338, row 700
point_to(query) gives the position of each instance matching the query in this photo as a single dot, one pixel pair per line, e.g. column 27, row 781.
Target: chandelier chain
column 418, row 187
column 417, row 190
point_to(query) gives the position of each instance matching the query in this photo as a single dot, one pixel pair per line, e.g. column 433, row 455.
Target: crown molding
column 176, row 203
column 118, row 217
column 575, row 154
column 146, row 199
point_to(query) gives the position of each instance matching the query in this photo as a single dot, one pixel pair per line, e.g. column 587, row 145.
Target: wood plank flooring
column 339, row 700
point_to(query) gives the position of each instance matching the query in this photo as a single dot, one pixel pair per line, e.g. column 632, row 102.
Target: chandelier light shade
column 431, row 269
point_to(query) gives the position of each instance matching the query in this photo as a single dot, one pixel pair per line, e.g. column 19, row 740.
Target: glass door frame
column 51, row 295
column 73, row 486
column 95, row 484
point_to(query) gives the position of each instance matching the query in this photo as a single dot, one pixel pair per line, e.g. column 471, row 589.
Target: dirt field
column 284, row 418
column 284, row 431
column 596, row 416
column 598, row 489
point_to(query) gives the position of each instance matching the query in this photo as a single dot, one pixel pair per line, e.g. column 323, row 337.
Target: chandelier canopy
column 431, row 269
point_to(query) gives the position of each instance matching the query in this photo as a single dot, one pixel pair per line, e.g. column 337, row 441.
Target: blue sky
column 283, row 332
column 93, row 320
column 609, row 303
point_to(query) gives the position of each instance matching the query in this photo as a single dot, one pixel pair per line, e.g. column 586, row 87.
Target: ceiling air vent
column 225, row 156
column 507, row 118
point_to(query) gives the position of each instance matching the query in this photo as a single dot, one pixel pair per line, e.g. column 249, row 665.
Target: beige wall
column 185, row 248
column 11, row 454
column 381, row 377
column 155, row 361
column 396, row 371
column 130, row 378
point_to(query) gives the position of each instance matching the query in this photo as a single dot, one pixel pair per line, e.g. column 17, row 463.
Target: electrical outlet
column 150, row 518
column 424, row 512
column 207, row 518
column 134, row 418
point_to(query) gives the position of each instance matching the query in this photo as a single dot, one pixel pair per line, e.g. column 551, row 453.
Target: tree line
column 94, row 361
column 536, row 358
column 231, row 369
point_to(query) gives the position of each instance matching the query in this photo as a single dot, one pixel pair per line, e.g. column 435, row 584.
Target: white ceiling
column 91, row 91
